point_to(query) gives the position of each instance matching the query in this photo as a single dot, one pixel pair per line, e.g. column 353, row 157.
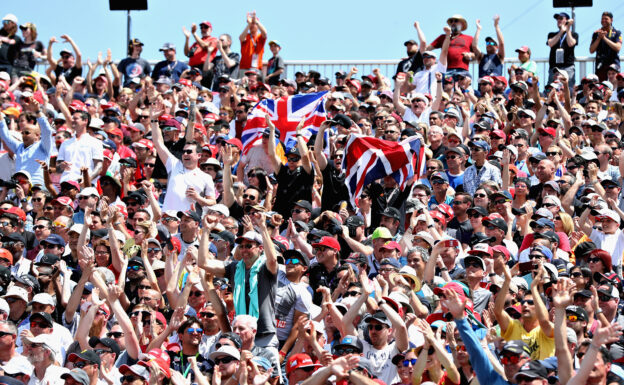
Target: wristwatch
column 381, row 302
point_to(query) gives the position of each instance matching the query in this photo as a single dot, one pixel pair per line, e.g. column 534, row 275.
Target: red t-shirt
column 252, row 49
column 457, row 47
column 198, row 55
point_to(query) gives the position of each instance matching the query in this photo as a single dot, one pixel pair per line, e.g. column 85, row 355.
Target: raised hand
column 454, row 304
column 478, row 22
column 341, row 366
column 186, row 32
column 496, row 20
column 561, row 293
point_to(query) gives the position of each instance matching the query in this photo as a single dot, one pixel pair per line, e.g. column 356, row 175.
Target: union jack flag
column 368, row 159
column 286, row 113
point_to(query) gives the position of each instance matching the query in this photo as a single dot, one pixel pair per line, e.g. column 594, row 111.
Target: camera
column 9, row 184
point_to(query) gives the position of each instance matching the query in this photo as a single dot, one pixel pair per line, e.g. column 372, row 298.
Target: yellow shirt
column 540, row 345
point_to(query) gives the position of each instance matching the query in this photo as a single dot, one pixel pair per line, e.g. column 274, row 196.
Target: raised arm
column 501, row 40
column 398, row 324
column 319, row 144
column 77, row 53
column 540, row 307
column 445, row 46
column 475, row 41
column 422, row 47
column 561, row 299
column 275, row 161
column 267, row 242
column 303, row 149
column 501, row 315
column 349, row 317
column 157, row 138
column 132, row 342
column 396, row 95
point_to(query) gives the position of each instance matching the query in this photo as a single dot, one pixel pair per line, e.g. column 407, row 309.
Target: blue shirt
column 26, row 157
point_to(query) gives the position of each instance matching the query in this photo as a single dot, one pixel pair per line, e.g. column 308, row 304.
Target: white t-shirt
column 381, row 360
column 80, row 153
column 612, row 243
column 410, row 116
column 425, row 80
column 180, row 179
column 52, row 376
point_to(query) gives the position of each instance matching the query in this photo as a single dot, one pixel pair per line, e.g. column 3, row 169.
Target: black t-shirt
column 69, row 73
column 26, row 55
column 414, row 64
column 439, row 152
column 219, row 68
column 334, row 187
column 568, row 52
column 292, row 186
column 179, row 362
column 605, row 56
column 319, row 276
column 132, row 68
column 463, row 230
column 8, row 52
column 267, row 289
column 160, row 172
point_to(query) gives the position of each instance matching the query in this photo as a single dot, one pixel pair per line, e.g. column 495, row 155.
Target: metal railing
column 327, row 68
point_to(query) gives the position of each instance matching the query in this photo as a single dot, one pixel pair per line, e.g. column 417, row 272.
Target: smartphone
column 526, row 267
column 519, row 211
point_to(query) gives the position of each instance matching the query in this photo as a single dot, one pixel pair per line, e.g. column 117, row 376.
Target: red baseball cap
column 185, row 82
column 549, row 130
column 392, row 245
column 487, row 79
column 300, row 360
column 108, row 154
column 116, row 131
column 235, row 142
column 206, row 23
column 328, row 242
column 6, row 254
column 435, row 214
column 146, row 143
column 15, row 211
column 502, row 249
column 64, row 201
column 211, row 116
column 77, row 105
column 499, row 134
column 165, row 117
column 446, row 210
column 161, row 358
column 454, row 286
column 524, row 48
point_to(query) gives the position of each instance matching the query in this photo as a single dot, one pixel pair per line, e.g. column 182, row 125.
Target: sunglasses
column 150, row 165
column 247, row 246
column 82, row 364
column 114, row 334
column 135, row 268
column 510, row 359
column 153, row 249
column 293, row 261
column 407, row 363
column 207, row 314
column 250, row 197
column 196, row 294
column 452, row 157
column 480, row 195
column 527, row 301
column 128, row 378
column 345, row 351
column 39, row 227
column 187, row 152
column 576, row 274
column 552, row 153
column 376, row 327
column 352, row 293
column 473, row 264
column 224, row 360
column 572, row 317
column 194, row 330
column 594, row 260
column 604, row 298
column 34, row 324
column 474, row 215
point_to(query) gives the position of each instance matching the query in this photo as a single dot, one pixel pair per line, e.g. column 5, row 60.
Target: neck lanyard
column 188, row 368
column 562, row 39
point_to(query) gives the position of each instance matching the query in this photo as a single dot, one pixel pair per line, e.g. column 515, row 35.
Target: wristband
column 492, row 275
column 439, row 81
column 444, row 269
column 430, row 226
column 281, row 353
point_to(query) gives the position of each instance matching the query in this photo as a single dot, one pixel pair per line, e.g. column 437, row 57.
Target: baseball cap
column 78, row 375
column 300, row 360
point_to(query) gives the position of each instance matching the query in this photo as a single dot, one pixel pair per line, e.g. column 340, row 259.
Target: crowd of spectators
column 142, row 245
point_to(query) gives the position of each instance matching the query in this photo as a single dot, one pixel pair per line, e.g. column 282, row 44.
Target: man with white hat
column 425, row 80
column 227, row 358
column 87, row 197
column 19, row 368
column 461, row 54
column 7, row 345
column 17, row 298
column 10, row 42
column 41, row 354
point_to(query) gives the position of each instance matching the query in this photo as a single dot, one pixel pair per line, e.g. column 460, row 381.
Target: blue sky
column 321, row 30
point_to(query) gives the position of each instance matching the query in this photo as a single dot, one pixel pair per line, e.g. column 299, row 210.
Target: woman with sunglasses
column 582, row 277
column 433, row 362
column 405, row 366
column 481, row 198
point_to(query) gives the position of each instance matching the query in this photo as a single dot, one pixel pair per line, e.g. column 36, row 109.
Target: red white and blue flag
column 369, row 159
column 285, row 113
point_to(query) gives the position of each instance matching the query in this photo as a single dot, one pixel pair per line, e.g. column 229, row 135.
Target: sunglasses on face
column 135, row 268
column 247, row 246
column 224, row 360
column 114, row 334
column 249, row 197
column 194, row 330
column 572, row 317
column 510, row 359
column 376, row 327
column 39, row 227
column 480, row 195
column 293, row 261
column 82, row 364
column 527, row 301
column 407, row 363
column 128, row 378
column 474, row 215
column 474, row 264
column 207, row 314
column 594, row 260
column 196, row 293
column 352, row 293
column 604, row 298
column 345, row 351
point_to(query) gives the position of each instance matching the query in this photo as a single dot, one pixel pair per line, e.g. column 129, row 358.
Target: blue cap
column 54, row 239
column 544, row 250
column 439, row 175
column 265, row 363
column 481, row 144
column 543, row 222
column 561, row 14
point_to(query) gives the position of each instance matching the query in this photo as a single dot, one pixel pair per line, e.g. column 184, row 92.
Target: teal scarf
column 240, row 304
